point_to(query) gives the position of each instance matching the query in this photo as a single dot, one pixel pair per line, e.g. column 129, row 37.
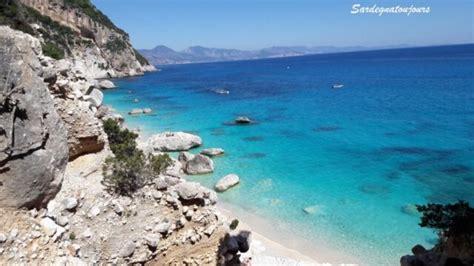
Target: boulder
column 32, row 166
column 135, row 111
column 227, row 182
column 162, row 182
column 106, row 84
column 243, row 120
column 95, row 97
column 85, row 131
column 189, row 190
column 147, row 110
column 184, row 157
column 418, row 250
column 200, row 164
column 212, row 152
column 127, row 249
column 174, row 141
column 70, row 203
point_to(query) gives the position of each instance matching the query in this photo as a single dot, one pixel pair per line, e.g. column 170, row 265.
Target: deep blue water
column 400, row 131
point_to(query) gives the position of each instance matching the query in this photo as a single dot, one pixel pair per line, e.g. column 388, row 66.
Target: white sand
column 273, row 246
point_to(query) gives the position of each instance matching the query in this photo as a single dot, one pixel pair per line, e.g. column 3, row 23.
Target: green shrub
column 233, row 225
column 116, row 44
column 52, row 50
column 72, row 236
column 143, row 61
column 130, row 169
column 122, row 141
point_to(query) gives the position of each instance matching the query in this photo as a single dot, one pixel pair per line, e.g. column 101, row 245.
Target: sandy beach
column 273, row 246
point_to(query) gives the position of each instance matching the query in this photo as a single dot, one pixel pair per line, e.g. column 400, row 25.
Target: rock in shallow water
column 174, row 141
column 243, row 120
column 312, row 210
column 227, row 182
column 212, row 152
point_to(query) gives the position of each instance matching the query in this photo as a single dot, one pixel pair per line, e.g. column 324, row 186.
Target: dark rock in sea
column 327, row 129
column 392, row 176
column 217, row 132
column 255, row 155
column 253, row 138
column 456, row 169
column 468, row 179
column 374, row 189
column 293, row 134
column 243, row 120
column 419, row 151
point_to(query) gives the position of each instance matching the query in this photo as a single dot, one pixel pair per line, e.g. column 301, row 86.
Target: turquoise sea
column 400, row 131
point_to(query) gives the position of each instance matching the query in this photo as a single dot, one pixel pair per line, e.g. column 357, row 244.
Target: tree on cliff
column 130, row 169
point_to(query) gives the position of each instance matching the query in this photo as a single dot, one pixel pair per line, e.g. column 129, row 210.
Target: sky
column 255, row 24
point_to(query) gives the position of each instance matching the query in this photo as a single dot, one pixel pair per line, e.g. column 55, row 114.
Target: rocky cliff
column 33, row 143
column 77, row 31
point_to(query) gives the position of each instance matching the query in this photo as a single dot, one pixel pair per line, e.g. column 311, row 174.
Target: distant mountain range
column 162, row 55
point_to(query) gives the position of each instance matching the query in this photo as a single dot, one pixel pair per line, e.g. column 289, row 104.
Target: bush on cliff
column 130, row 169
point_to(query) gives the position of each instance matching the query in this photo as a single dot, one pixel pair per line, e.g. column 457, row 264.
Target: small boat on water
column 337, row 86
column 221, row 91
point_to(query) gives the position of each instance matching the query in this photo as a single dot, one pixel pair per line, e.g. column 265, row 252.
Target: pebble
column 70, row 204
column 87, row 233
column 127, row 250
column 13, row 234
column 3, row 238
column 93, row 212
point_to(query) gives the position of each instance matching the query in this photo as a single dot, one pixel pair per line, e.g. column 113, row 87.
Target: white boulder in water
column 212, row 152
column 106, row 84
column 174, row 141
column 227, row 182
column 135, row 111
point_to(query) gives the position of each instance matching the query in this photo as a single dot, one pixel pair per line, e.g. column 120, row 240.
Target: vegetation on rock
column 130, row 169
column 143, row 61
column 455, row 221
column 52, row 50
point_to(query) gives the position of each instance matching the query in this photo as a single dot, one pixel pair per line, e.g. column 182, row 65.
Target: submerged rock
column 212, row 152
column 227, row 182
column 174, row 141
column 147, row 110
column 410, row 209
column 243, row 120
column 312, row 210
column 200, row 164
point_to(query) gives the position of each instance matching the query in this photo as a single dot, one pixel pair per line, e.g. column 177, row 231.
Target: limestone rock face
column 33, row 140
column 85, row 131
column 108, row 52
column 174, row 141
